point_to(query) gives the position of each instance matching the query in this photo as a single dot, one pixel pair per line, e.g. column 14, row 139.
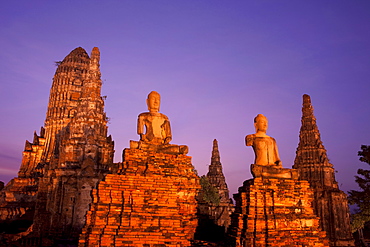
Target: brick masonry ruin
column 214, row 216
column 66, row 161
column 275, row 212
column 312, row 163
column 68, row 191
column 150, row 201
column 275, row 207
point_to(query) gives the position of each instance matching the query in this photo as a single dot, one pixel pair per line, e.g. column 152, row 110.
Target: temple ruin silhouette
column 69, row 192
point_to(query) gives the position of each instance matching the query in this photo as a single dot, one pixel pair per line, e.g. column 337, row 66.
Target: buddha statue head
column 153, row 101
column 260, row 123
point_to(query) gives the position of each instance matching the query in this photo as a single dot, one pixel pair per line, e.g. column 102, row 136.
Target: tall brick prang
column 65, row 162
column 68, row 82
column 312, row 163
column 83, row 154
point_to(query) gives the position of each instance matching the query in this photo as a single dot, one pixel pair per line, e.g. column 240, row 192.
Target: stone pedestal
column 273, row 211
column 150, row 202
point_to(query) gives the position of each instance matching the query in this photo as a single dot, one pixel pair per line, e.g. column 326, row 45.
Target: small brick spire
column 215, row 174
column 215, row 159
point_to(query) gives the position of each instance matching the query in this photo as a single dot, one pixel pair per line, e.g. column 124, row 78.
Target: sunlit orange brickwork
column 275, row 212
column 150, row 202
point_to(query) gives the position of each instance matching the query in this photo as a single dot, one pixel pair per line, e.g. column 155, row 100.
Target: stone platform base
column 149, row 203
column 275, row 212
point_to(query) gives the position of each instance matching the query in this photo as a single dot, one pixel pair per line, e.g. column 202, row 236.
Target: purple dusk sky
column 216, row 64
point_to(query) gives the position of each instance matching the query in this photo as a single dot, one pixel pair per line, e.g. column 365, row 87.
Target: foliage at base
column 361, row 198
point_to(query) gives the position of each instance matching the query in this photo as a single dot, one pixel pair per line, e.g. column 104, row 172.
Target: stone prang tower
column 217, row 179
column 216, row 176
column 312, row 163
column 67, row 160
column 214, row 203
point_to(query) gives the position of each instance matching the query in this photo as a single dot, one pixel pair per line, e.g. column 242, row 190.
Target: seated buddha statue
column 264, row 146
column 155, row 130
column 267, row 161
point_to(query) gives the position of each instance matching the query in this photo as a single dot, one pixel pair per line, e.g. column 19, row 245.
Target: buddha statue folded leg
column 273, row 171
column 173, row 149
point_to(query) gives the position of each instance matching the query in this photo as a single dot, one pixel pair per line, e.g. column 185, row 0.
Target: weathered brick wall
column 313, row 165
column 275, row 212
column 18, row 197
column 150, row 202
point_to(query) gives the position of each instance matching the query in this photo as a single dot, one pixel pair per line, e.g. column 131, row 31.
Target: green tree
column 361, row 197
column 208, row 192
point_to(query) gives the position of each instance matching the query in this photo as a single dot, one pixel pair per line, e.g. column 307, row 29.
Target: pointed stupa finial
column 215, row 168
column 307, row 109
column 310, row 149
column 95, row 54
column 215, row 152
column 95, row 59
column 94, row 82
column 306, row 98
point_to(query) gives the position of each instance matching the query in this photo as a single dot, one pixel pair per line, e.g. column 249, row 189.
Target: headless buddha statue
column 155, row 130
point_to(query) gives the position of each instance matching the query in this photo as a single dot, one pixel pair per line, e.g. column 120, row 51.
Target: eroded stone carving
column 274, row 208
column 156, row 124
column 264, row 146
column 155, row 130
column 267, row 160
